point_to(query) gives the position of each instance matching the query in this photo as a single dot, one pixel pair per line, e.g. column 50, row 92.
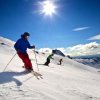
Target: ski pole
column 36, row 60
column 9, row 62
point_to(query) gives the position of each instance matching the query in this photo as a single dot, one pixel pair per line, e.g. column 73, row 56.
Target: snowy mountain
column 91, row 60
column 49, row 51
column 58, row 52
column 69, row 81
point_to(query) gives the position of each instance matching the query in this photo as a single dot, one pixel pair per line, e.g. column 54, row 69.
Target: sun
column 48, row 8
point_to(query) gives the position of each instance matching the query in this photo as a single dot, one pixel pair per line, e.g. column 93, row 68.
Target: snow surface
column 71, row 81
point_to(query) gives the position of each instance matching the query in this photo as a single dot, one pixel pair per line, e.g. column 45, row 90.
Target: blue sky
column 75, row 23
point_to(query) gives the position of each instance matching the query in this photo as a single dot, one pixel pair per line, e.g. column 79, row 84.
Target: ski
column 37, row 75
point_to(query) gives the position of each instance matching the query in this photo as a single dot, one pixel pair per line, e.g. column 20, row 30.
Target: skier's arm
column 51, row 57
column 30, row 47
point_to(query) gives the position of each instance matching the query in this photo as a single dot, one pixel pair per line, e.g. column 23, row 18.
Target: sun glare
column 48, row 8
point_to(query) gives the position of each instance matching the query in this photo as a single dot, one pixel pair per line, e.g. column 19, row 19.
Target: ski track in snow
column 72, row 81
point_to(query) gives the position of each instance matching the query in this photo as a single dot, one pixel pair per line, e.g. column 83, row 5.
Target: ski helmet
column 26, row 34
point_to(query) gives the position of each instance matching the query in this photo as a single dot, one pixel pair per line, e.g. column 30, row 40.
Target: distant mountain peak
column 58, row 52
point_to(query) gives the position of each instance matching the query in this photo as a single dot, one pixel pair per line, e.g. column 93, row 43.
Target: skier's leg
column 26, row 60
column 48, row 61
column 28, row 64
column 60, row 62
column 21, row 56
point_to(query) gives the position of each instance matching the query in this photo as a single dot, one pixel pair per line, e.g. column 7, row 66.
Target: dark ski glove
column 33, row 46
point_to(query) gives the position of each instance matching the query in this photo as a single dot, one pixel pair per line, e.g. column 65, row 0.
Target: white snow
column 71, row 81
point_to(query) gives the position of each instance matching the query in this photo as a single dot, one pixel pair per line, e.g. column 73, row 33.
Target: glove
column 33, row 46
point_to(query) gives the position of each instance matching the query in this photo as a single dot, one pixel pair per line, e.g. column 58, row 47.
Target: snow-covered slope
column 6, row 41
column 71, row 81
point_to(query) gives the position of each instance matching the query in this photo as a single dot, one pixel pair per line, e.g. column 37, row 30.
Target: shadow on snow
column 7, row 77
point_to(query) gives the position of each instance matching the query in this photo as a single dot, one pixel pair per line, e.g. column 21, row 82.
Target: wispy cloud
column 97, row 37
column 45, row 50
column 84, row 49
column 80, row 28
